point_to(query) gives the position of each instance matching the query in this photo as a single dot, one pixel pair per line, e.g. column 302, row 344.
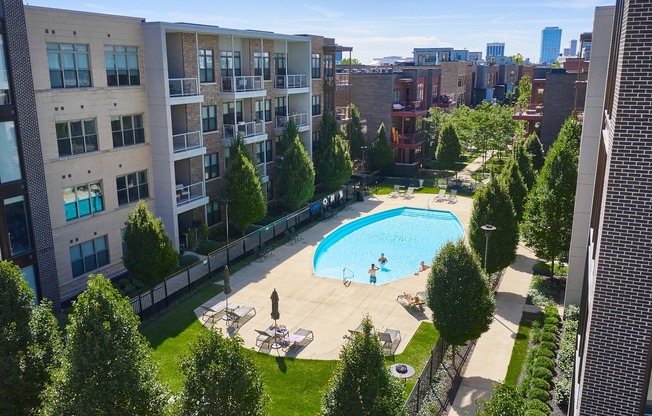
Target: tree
column 548, row 218
column 297, row 177
column 347, row 61
column 517, row 59
column 328, row 129
column 220, row 378
column 524, row 163
column 106, row 367
column 493, row 205
column 290, row 132
column 533, row 147
column 361, row 384
column 524, row 91
column 243, row 188
column 449, row 148
column 435, row 121
column 504, row 400
column 149, row 255
column 354, row 134
column 381, row 155
column 513, row 182
column 458, row 294
column 335, row 166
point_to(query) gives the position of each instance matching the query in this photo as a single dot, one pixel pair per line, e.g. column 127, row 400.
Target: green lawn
column 295, row 386
column 519, row 352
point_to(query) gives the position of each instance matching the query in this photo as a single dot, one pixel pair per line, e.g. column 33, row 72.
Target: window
column 268, row 110
column 213, row 215
column 261, row 65
column 132, row 187
column 279, row 106
column 121, row 65
column 9, row 161
column 75, row 137
column 260, row 152
column 260, row 113
column 328, row 102
column 316, row 105
column 127, row 130
column 89, row 255
column 268, row 150
column 122, row 240
column 206, row 73
column 82, row 200
column 461, row 80
column 209, row 118
column 17, row 225
column 227, row 157
column 5, row 93
column 69, row 65
column 315, row 140
column 211, row 166
column 280, row 63
column 230, row 63
column 269, row 190
column 316, row 70
column 328, row 66
column 263, row 109
column 229, row 112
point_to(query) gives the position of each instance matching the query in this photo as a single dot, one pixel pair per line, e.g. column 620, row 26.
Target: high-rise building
column 550, row 44
column 573, row 47
column 495, row 49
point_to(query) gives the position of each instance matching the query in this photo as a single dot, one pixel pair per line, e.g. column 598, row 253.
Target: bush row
column 566, row 356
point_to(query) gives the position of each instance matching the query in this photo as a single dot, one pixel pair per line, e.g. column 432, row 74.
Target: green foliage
column 220, row 379
column 504, row 400
column 524, row 91
column 459, row 295
column 354, row 133
column 328, row 129
column 533, row 147
column 492, row 205
column 552, row 321
column 290, row 132
column 548, row 218
column 187, row 260
column 150, row 254
column 540, row 383
column 548, row 345
column 296, row 181
column 536, row 404
column 208, row 246
column 105, row 367
column 552, row 328
column 544, row 352
column 566, row 357
column 381, row 155
column 349, row 61
column 487, row 126
column 335, row 166
column 544, row 362
column 563, row 387
column 525, row 166
column 361, row 384
column 435, row 121
column 449, row 147
column 243, row 188
column 543, row 290
column 539, row 394
column 204, row 232
column 520, row 350
column 541, row 372
column 572, row 312
column 513, row 182
column 535, row 412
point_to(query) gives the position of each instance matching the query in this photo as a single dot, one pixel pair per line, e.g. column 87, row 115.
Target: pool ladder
column 428, row 204
column 346, row 279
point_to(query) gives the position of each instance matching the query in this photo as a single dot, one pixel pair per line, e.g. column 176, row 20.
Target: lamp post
column 487, row 228
column 226, row 202
column 363, row 150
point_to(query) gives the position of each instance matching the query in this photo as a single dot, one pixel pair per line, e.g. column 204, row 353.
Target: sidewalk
column 465, row 174
column 493, row 351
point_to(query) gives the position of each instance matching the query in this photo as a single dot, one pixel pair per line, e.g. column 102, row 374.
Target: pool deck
column 325, row 305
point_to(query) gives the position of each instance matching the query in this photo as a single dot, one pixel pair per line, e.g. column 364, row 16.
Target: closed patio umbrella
column 275, row 313
column 227, row 286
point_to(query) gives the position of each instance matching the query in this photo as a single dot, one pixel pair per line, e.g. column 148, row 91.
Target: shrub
column 552, row 320
column 541, row 372
column 188, row 259
column 525, row 384
column 533, row 412
column 563, row 389
column 208, row 246
column 551, row 310
column 539, row 394
column 541, row 268
column 571, row 313
column 552, row 346
column 542, row 292
column 536, row 404
column 547, row 336
column 545, row 362
column 553, row 329
column 540, row 384
column 544, row 352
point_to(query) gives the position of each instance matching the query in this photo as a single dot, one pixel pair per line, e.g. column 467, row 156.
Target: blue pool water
column 407, row 236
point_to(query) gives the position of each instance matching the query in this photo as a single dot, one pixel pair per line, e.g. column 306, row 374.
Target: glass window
column 316, row 62
column 268, row 150
column 260, row 113
column 5, row 93
column 231, row 111
column 260, row 152
column 280, row 63
column 69, row 65
column 227, row 157
column 75, row 137
column 316, row 105
column 315, row 140
column 261, row 65
column 211, row 166
column 213, row 215
column 29, row 274
column 132, row 187
column 206, row 70
column 89, row 255
column 268, row 110
column 121, row 65
column 328, row 66
column 127, row 130
column 208, row 118
column 9, row 160
column 82, row 200
column 17, row 225
column 279, row 106
column 230, row 63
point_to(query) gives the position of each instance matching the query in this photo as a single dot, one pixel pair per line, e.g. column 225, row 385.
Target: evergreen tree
column 449, row 148
column 361, row 384
column 328, row 130
column 105, row 368
column 534, row 148
column 220, row 379
column 493, row 205
column 297, row 177
column 524, row 162
column 149, row 255
column 512, row 180
column 381, row 155
column 290, row 132
column 354, row 133
column 335, row 167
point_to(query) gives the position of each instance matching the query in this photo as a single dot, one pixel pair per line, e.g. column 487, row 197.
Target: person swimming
column 382, row 259
column 422, row 267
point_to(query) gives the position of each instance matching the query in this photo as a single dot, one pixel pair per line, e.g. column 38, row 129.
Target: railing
column 242, row 83
column 292, row 81
column 187, row 193
column 410, row 138
column 183, row 87
column 342, row 113
column 300, row 120
column 187, row 141
column 408, row 106
column 342, row 79
column 245, row 129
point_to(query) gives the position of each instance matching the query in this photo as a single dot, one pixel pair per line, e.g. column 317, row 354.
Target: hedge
column 536, row 404
column 539, row 394
column 540, row 372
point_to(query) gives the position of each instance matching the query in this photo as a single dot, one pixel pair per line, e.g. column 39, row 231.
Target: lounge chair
column 265, row 337
column 389, row 337
column 236, row 315
column 441, row 196
column 409, row 194
column 395, row 192
column 299, row 339
column 452, row 198
column 412, row 303
column 211, row 312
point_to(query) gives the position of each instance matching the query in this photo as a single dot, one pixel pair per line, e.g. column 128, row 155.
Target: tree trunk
column 552, row 267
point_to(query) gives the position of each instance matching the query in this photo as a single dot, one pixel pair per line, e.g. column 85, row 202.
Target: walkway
column 465, row 174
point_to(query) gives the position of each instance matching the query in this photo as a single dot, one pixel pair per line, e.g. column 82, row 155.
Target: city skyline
column 380, row 28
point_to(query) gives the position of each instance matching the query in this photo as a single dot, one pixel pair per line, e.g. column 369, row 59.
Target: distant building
column 567, row 52
column 495, row 49
column 432, row 56
column 389, row 61
column 475, row 56
column 573, row 47
column 550, row 44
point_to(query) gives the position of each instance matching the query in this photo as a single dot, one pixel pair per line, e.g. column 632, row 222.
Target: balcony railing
column 410, row 106
column 242, row 83
column 299, row 119
column 244, row 129
column 187, row 141
column 291, row 81
column 342, row 79
column 188, row 193
column 410, row 138
column 183, row 87
column 342, row 113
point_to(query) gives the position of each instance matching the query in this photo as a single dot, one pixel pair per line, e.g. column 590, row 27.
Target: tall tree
column 534, row 148
column 524, row 91
column 220, row 379
column 106, row 367
column 458, row 294
column 435, row 122
column 149, row 255
column 548, row 218
column 493, row 205
column 328, row 129
column 354, row 133
column 297, row 176
column 290, row 132
column 381, row 155
column 524, row 162
column 512, row 180
column 449, row 148
column 243, row 188
column 518, row 58
column 361, row 384
column 335, row 167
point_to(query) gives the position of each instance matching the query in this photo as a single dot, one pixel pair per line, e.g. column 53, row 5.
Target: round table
column 400, row 370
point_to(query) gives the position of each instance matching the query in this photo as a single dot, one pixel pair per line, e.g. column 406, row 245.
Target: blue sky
column 375, row 28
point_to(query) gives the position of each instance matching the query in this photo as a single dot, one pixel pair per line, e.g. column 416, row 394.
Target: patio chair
column 452, row 198
column 211, row 312
column 409, row 194
column 390, row 339
column 265, row 337
column 299, row 339
column 412, row 303
column 395, row 192
column 238, row 314
column 441, row 196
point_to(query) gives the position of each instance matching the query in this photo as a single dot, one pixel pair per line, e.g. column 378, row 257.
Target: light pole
column 488, row 228
column 226, row 202
column 363, row 150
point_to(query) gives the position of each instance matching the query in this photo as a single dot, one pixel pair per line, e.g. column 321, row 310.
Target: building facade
column 550, row 44
column 495, row 49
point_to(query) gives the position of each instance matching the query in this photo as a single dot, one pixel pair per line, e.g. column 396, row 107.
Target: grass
column 521, row 346
column 295, row 386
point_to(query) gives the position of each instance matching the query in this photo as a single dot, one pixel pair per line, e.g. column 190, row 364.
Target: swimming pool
column 406, row 236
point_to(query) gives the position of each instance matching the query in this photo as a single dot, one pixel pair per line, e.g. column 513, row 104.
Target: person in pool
column 372, row 273
column 382, row 259
column 422, row 267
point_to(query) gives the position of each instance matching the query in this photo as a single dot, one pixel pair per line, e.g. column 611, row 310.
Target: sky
column 375, row 28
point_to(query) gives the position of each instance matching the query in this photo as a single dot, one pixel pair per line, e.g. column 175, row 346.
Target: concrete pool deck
column 325, row 305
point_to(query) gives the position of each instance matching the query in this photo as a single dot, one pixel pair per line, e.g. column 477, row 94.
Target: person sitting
column 422, row 268
column 382, row 259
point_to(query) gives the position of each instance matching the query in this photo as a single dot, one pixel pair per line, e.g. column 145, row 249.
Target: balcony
column 407, row 140
column 187, row 145
column 342, row 82
column 190, row 196
column 300, row 119
column 251, row 132
column 409, row 109
column 445, row 102
column 243, row 87
column 291, row 84
column 184, row 91
column 342, row 114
